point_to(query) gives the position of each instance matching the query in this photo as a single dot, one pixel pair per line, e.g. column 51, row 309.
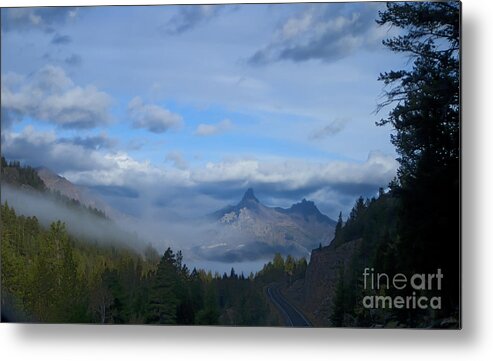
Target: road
column 292, row 316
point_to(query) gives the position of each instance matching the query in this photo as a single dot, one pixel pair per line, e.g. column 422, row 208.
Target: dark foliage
column 416, row 227
column 50, row 276
column 426, row 120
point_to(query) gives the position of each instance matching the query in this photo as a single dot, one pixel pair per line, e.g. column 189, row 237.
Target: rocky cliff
column 315, row 296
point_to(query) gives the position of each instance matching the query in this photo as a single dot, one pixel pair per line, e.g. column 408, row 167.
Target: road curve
column 292, row 316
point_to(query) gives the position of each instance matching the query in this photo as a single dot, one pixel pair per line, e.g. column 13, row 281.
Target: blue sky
column 194, row 104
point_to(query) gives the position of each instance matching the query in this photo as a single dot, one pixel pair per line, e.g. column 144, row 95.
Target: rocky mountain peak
column 249, row 196
column 305, row 207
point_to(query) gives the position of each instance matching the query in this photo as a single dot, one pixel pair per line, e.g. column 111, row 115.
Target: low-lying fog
column 203, row 242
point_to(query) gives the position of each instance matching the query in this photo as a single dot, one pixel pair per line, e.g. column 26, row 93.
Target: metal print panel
column 239, row 165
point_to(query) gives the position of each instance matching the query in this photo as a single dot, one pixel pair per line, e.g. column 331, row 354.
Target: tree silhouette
column 163, row 303
column 426, row 122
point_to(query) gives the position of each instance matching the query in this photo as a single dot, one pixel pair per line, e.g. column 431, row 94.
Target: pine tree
column 426, row 121
column 162, row 298
column 338, row 236
column 209, row 315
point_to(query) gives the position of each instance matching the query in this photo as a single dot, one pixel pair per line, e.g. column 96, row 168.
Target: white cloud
column 152, row 117
column 190, row 16
column 177, row 159
column 93, row 142
column 213, row 129
column 44, row 149
column 50, row 95
column 294, row 174
column 36, row 18
column 326, row 33
column 121, row 170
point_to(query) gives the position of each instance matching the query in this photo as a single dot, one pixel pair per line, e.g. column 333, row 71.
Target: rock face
column 322, row 276
column 57, row 183
column 307, row 210
column 299, row 228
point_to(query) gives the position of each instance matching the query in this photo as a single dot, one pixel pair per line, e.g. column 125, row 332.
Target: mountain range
column 296, row 230
column 247, row 231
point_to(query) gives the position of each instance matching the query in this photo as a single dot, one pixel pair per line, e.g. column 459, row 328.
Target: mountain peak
column 249, row 196
column 305, row 207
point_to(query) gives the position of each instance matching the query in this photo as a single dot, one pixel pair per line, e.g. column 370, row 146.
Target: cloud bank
column 92, row 161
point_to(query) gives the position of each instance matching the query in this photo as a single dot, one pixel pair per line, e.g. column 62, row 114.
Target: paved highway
column 292, row 316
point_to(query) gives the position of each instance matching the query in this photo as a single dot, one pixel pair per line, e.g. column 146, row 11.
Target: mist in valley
column 204, row 242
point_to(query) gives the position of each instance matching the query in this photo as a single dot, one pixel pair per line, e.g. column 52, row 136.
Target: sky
column 174, row 111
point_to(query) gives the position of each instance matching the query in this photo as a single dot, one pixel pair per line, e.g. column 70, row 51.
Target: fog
column 209, row 245
column 80, row 224
column 205, row 244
